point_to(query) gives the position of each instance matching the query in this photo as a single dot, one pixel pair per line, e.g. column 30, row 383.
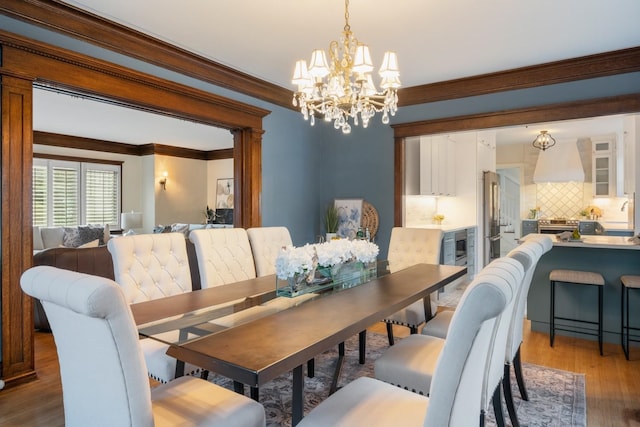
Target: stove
column 557, row 225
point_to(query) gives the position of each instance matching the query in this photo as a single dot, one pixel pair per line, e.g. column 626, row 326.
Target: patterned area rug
column 556, row 398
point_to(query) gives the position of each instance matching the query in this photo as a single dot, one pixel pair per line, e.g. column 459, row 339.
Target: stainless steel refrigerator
column 491, row 216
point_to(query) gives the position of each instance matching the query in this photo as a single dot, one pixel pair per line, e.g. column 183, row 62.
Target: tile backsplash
column 561, row 199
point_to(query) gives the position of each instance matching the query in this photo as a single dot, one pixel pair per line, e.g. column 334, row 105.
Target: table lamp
column 130, row 221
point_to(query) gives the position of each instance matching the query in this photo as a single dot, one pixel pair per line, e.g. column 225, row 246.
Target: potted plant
column 331, row 221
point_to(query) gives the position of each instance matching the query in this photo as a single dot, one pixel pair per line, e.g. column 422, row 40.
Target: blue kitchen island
column 611, row 256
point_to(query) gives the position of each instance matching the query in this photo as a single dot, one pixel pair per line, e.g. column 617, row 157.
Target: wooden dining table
column 258, row 351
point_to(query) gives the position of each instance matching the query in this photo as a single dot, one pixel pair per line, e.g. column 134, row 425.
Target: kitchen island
column 611, row 256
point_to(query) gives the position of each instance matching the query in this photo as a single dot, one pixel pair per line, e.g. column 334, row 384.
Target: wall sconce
column 163, row 180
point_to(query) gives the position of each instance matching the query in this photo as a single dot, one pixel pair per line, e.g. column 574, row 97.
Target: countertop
column 607, row 225
column 595, row 242
column 444, row 227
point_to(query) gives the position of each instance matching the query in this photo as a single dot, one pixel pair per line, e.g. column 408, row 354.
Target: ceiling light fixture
column 544, row 141
column 348, row 90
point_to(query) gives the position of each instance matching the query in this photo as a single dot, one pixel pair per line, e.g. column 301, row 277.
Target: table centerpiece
column 313, row 267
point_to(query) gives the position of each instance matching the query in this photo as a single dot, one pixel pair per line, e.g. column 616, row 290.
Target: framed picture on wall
column 224, row 194
column 349, row 216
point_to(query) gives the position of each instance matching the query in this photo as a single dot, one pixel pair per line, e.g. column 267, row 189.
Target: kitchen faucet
column 624, row 205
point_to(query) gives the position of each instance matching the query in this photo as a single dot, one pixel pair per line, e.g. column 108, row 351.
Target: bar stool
column 577, row 278
column 628, row 282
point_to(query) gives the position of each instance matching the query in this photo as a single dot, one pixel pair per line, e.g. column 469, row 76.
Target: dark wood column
column 16, row 232
column 247, row 166
column 398, row 180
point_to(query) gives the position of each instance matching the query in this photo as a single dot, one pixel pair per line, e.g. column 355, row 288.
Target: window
column 69, row 193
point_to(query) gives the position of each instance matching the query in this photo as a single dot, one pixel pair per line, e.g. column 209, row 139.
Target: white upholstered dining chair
column 413, row 362
column 147, row 267
column 266, row 243
column 225, row 256
column 457, row 380
column 407, row 247
column 102, row 367
column 528, row 253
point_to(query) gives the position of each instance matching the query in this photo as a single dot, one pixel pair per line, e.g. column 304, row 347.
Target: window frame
column 82, row 165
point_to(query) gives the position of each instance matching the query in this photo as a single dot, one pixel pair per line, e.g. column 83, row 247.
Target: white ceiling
column 435, row 41
column 72, row 115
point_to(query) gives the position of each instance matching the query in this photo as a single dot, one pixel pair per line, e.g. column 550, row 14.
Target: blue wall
column 304, row 167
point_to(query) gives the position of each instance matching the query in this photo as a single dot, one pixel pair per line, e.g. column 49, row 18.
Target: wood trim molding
column 67, row 70
column 17, row 235
column 98, row 31
column 585, row 67
column 552, row 112
column 93, row 29
column 77, row 159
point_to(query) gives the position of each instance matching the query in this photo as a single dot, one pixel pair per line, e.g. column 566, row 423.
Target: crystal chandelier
column 343, row 88
column 544, row 140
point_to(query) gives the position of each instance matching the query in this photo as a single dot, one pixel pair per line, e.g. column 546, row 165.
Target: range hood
column 560, row 163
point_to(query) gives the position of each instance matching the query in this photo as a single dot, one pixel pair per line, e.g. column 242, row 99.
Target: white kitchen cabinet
column 603, row 166
column 629, row 144
column 437, row 166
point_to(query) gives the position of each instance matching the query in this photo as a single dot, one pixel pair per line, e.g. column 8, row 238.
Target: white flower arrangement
column 296, row 260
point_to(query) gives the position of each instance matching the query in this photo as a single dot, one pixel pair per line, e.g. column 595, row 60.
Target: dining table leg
column 297, row 400
column 336, row 374
column 362, row 346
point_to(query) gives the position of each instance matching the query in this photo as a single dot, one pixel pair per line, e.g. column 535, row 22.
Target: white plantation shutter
column 63, row 196
column 39, row 195
column 101, row 194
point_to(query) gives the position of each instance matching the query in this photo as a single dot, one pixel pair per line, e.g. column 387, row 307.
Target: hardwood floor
column 612, row 382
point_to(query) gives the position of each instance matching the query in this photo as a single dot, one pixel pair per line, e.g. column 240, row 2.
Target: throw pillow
column 89, row 233
column 71, row 237
column 180, row 228
column 91, row 244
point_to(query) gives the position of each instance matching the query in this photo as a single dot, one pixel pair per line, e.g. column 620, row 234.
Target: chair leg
column 508, row 395
column 390, row 333
column 482, row 418
column 552, row 309
column 625, row 321
column 497, row 407
column 362, row 347
column 413, row 329
column 600, row 303
column 204, row 374
column 622, row 318
column 517, row 368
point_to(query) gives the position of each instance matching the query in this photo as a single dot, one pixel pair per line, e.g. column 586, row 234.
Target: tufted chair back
column 532, row 250
column 224, row 256
column 459, row 375
column 407, row 247
column 150, row 266
column 266, row 242
column 103, row 372
column 411, row 246
column 511, row 271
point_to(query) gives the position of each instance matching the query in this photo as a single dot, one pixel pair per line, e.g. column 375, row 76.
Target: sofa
column 91, row 260
column 82, row 236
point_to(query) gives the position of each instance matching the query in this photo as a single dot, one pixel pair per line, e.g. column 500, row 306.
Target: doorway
column 510, row 178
